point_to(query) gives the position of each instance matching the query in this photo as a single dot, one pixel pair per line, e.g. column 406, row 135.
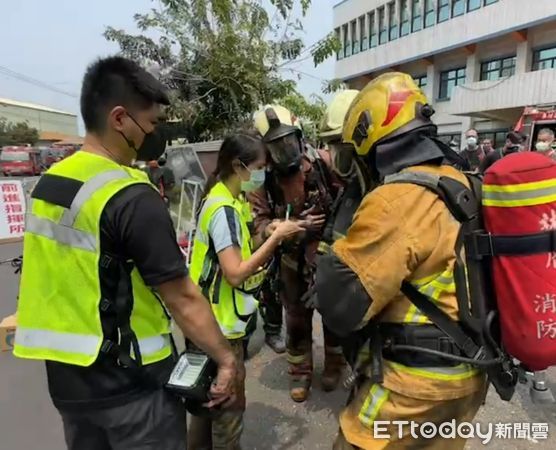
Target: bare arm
column 236, row 270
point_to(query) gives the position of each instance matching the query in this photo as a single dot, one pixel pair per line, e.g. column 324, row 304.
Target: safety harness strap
column 486, row 244
column 443, row 321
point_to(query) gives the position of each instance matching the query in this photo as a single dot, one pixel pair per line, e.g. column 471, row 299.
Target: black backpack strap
column 444, row 322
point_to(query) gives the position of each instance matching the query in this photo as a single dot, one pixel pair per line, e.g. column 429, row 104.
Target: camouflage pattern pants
column 224, row 431
column 299, row 325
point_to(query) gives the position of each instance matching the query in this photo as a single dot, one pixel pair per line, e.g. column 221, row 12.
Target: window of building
column 443, row 10
column 382, row 31
column 449, row 80
column 429, row 13
column 392, row 21
column 421, row 81
column 458, row 8
column 472, row 5
column 490, row 2
column 373, row 38
column 498, row 68
column 417, row 12
column 354, row 40
column 544, row 59
column 347, row 43
column 339, row 53
column 404, row 23
column 363, row 41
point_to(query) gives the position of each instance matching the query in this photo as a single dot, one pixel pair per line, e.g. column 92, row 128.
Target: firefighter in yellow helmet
column 402, row 232
column 301, row 186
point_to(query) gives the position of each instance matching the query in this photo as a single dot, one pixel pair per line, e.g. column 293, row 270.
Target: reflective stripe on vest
column 525, row 194
column 60, row 233
column 59, row 316
column 86, row 192
column 82, row 344
column 231, row 306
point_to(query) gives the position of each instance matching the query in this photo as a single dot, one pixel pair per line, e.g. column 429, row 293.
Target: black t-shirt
column 135, row 225
column 490, row 159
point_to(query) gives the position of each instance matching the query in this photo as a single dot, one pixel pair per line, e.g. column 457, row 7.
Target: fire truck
column 20, row 161
column 534, row 119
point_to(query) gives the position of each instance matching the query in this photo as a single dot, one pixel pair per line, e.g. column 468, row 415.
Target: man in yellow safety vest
column 102, row 268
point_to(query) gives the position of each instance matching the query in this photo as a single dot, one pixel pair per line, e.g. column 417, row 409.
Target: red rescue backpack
column 505, row 270
column 519, row 207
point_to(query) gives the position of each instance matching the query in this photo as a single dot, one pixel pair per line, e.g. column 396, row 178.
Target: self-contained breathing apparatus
column 477, row 338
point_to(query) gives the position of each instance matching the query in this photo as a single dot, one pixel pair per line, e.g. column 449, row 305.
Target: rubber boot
column 301, row 377
column 334, row 365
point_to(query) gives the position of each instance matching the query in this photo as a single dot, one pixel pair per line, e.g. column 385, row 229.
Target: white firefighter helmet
column 276, row 119
column 333, row 120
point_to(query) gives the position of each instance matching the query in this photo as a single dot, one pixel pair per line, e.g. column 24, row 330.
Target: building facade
column 480, row 62
column 43, row 118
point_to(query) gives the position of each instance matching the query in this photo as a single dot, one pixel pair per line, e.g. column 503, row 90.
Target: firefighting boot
column 301, row 376
column 334, row 364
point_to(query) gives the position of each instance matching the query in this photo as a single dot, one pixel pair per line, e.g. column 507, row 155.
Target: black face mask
column 153, row 145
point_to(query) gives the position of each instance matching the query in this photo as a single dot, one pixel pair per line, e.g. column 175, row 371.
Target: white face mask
column 472, row 141
column 542, row 146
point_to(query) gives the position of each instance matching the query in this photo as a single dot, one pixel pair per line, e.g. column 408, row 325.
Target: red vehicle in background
column 533, row 119
column 18, row 161
column 54, row 154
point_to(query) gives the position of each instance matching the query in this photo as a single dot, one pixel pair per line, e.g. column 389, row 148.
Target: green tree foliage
column 17, row 133
column 220, row 58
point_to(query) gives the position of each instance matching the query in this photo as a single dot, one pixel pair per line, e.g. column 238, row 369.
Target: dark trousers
column 154, row 422
column 299, row 325
column 271, row 311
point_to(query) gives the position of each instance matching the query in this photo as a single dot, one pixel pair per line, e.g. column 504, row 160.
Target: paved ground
column 273, row 422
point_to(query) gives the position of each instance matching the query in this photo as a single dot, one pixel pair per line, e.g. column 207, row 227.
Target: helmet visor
column 342, row 156
column 286, row 151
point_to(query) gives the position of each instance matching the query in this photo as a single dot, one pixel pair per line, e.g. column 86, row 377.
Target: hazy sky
column 53, row 41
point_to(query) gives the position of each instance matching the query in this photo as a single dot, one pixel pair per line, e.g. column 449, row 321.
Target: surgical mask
column 255, row 181
column 542, row 146
column 153, row 146
column 472, row 142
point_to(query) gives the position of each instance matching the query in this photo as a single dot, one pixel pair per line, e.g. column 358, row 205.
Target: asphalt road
column 273, row 422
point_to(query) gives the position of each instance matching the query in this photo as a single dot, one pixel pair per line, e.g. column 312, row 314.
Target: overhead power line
column 26, row 79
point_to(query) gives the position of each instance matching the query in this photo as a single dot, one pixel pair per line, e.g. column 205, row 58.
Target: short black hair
column 515, row 137
column 114, row 81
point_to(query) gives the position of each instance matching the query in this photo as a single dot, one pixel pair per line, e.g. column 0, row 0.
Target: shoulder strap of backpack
column 458, row 198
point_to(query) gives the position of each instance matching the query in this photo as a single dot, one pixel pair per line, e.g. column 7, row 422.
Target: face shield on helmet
column 342, row 156
column 285, row 153
column 282, row 139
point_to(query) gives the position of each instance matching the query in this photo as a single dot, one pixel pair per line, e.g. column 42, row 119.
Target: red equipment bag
column 519, row 206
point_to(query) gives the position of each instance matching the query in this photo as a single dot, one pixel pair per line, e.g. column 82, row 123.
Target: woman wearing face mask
column 227, row 271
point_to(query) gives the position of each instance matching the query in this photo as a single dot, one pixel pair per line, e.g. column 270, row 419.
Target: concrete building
column 480, row 62
column 47, row 120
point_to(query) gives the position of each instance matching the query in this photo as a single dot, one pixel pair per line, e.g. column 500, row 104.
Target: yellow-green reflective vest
column 60, row 294
column 232, row 307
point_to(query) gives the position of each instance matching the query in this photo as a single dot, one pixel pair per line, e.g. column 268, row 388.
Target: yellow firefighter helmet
column 390, row 105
